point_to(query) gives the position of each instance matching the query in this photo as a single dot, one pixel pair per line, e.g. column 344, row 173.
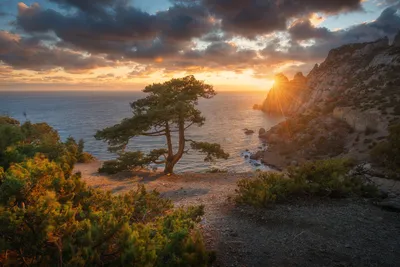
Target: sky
column 127, row 44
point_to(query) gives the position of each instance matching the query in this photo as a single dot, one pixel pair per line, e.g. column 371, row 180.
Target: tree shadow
column 141, row 176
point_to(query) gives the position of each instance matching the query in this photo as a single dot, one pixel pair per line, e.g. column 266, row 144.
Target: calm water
column 80, row 114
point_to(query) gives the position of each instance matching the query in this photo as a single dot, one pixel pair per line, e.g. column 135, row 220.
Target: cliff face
column 342, row 108
column 351, row 76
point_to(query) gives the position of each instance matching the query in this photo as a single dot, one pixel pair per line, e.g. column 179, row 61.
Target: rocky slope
column 343, row 107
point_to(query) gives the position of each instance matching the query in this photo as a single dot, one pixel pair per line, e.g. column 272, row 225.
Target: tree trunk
column 172, row 160
column 169, row 167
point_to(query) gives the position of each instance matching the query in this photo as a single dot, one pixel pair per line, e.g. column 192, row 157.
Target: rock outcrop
column 354, row 69
column 284, row 93
column 357, row 85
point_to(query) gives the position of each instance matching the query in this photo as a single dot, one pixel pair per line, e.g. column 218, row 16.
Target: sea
column 81, row 113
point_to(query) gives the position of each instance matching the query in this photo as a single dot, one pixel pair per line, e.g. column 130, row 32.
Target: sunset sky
column 126, row 44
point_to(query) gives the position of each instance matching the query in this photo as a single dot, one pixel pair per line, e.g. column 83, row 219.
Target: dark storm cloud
column 123, row 32
column 303, row 30
column 253, row 17
column 30, row 53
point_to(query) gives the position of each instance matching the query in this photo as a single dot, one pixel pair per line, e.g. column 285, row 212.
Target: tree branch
column 150, row 134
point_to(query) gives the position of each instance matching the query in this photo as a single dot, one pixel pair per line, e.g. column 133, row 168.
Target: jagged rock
column 283, row 90
column 313, row 71
column 299, row 78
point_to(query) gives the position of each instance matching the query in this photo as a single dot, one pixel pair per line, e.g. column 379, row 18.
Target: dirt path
column 334, row 233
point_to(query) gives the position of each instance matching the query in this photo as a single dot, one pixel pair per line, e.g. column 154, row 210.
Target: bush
column 125, row 161
column 21, row 142
column 47, row 219
column 83, row 157
column 111, row 167
column 319, row 179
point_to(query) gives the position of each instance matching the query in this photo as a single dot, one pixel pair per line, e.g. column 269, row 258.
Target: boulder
column 262, row 132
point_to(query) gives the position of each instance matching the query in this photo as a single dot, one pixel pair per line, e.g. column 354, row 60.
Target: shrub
column 21, row 142
column 125, row 161
column 48, row 219
column 8, row 120
column 328, row 178
column 83, row 157
column 111, row 167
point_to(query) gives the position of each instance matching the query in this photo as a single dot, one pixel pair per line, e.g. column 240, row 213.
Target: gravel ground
column 350, row 232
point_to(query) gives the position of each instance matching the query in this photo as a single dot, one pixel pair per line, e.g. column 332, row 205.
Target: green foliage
column 8, row 120
column 387, row 153
column 21, row 142
column 168, row 110
column 328, row 178
column 47, row 219
column 212, row 151
column 84, row 157
column 125, row 161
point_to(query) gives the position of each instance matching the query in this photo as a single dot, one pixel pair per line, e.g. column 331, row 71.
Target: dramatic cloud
column 253, row 17
column 387, row 24
column 124, row 32
column 304, row 30
column 30, row 53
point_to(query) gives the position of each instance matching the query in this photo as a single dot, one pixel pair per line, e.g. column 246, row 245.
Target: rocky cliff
column 357, row 84
column 352, row 75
